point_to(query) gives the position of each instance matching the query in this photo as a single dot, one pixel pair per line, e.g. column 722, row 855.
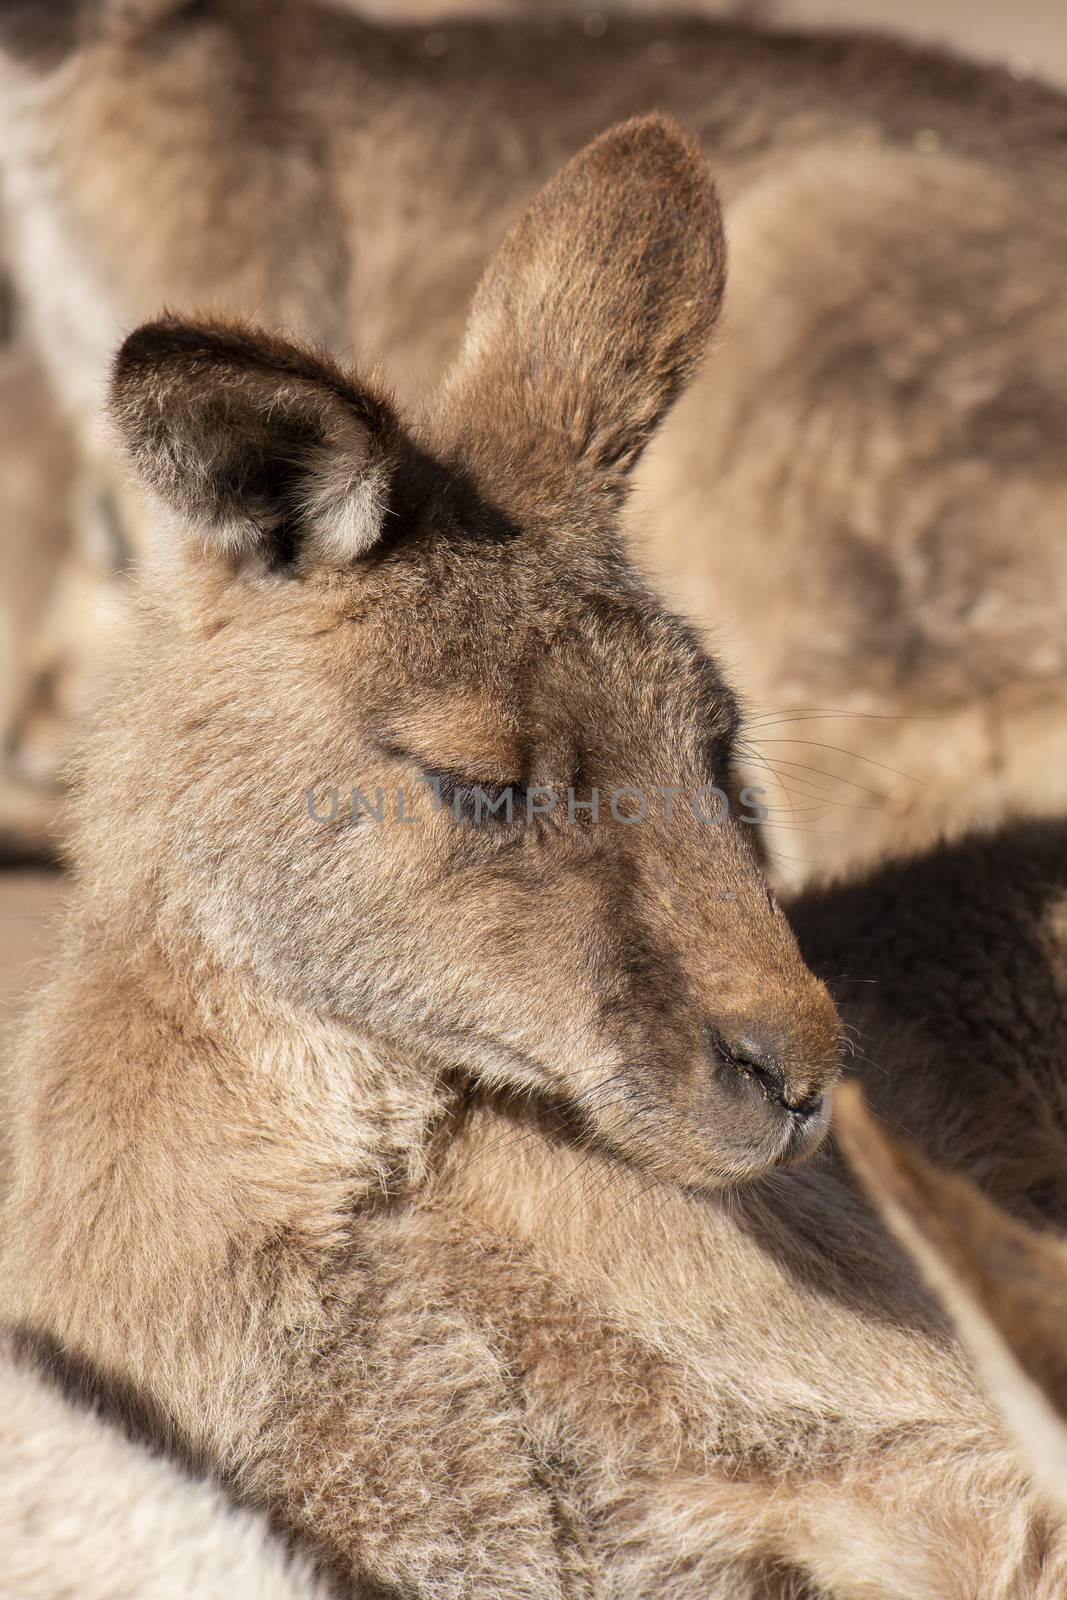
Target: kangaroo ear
column 1003, row 1284
column 263, row 448
column 595, row 310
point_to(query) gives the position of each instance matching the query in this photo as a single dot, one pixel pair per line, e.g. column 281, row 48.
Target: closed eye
column 479, row 800
column 476, row 801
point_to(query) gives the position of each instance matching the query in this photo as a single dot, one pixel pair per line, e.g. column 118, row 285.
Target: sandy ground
column 1031, row 35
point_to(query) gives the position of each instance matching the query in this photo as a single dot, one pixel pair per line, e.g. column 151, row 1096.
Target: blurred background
column 1030, row 35
column 36, row 461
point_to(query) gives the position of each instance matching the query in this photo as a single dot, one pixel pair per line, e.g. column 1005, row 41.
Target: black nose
column 750, row 1058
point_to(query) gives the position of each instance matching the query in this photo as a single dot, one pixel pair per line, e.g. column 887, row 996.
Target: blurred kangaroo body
column 963, row 952
column 402, row 1167
column 1004, row 1284
column 865, row 495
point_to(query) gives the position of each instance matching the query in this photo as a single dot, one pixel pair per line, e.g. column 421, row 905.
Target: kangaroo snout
column 761, row 1062
column 777, row 1073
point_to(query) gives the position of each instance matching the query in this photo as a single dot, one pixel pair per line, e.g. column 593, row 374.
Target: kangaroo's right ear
column 263, row 448
column 1003, row 1284
column 592, row 316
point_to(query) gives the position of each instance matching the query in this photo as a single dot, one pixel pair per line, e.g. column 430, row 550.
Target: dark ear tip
column 154, row 343
column 144, row 346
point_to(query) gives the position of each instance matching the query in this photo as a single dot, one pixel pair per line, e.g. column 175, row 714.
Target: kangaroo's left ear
column 263, row 448
column 1003, row 1284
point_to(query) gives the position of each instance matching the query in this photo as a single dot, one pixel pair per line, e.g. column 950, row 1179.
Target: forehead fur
column 503, row 650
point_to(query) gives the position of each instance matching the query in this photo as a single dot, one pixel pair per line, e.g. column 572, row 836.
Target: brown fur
column 396, row 1165
column 865, row 495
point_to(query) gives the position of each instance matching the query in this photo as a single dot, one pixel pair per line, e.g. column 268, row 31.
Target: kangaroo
column 864, row 494
column 457, row 589
column 300, row 1119
column 1004, row 1283
column 89, row 1511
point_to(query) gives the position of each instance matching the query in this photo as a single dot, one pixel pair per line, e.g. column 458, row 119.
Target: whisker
column 814, row 714
column 762, row 760
column 835, row 777
column 646, row 1188
column 852, row 755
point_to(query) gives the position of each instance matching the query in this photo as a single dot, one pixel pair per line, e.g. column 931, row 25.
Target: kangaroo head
column 412, row 744
column 1003, row 1284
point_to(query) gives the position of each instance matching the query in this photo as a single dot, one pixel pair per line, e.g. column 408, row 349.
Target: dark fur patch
column 16, row 851
column 41, row 33
column 200, row 347
column 948, row 908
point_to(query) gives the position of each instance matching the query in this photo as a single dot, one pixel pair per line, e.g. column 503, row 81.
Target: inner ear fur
column 261, row 446
column 597, row 307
